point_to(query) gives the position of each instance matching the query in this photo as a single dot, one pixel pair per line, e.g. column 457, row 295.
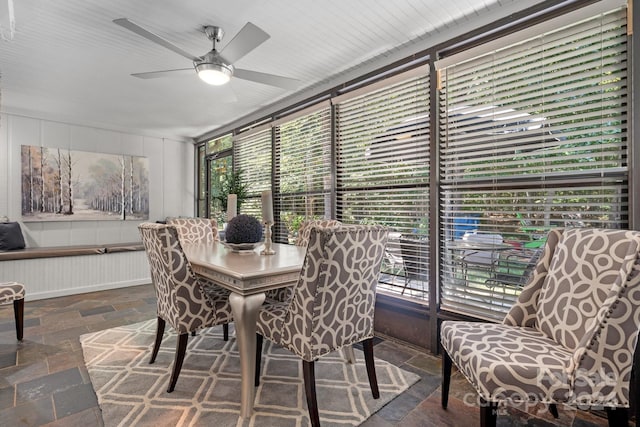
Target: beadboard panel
column 54, row 277
column 4, row 171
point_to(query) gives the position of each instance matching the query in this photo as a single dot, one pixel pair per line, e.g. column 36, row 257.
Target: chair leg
column 488, row 413
column 367, row 346
column 156, row 345
column 618, row 417
column 18, row 311
column 310, row 391
column 225, row 332
column 181, row 349
column 259, row 340
column 553, row 408
column 446, row 379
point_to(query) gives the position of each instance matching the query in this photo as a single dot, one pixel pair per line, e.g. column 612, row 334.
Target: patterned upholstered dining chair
column 332, row 305
column 569, row 338
column 285, row 294
column 199, row 230
column 305, row 229
column 193, row 230
column 183, row 301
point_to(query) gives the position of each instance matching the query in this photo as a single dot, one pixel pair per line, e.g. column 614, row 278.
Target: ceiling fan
column 216, row 68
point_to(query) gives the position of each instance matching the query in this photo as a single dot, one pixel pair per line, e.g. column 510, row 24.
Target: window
column 383, row 172
column 219, row 145
column 218, row 163
column 201, row 192
column 303, row 172
column 533, row 135
column 252, row 155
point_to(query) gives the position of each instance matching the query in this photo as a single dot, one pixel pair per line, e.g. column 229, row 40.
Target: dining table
column 248, row 275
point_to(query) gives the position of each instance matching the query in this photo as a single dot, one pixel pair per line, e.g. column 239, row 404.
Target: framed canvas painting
column 67, row 185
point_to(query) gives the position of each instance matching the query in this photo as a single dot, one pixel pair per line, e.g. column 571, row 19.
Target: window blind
column 252, row 154
column 383, row 175
column 303, row 171
column 532, row 136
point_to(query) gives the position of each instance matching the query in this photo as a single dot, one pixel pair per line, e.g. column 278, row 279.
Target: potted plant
column 230, row 183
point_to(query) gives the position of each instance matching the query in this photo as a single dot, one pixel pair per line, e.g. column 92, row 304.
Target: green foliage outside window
column 231, row 182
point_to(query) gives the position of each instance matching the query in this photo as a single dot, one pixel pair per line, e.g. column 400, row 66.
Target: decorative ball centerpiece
column 243, row 229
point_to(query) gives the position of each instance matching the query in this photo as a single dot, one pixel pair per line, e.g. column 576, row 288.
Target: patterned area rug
column 133, row 393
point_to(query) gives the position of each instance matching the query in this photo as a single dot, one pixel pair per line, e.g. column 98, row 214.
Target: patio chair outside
column 414, row 258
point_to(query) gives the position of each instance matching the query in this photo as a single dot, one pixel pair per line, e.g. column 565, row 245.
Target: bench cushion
column 60, row 251
column 123, row 247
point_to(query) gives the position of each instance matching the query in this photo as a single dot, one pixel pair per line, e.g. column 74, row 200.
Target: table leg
column 245, row 312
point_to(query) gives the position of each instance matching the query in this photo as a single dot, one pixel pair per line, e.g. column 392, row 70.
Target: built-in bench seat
column 49, row 272
column 65, row 251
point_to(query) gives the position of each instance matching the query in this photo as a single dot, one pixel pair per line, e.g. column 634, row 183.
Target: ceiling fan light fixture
column 214, row 74
column 216, row 68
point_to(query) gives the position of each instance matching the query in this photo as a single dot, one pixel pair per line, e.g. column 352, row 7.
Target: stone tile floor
column 44, row 382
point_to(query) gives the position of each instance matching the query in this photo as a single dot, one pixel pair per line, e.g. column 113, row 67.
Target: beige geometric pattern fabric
column 131, row 392
column 525, row 311
column 11, row 291
column 195, row 230
column 571, row 335
column 183, row 301
column 507, row 363
column 333, row 301
column 587, row 264
column 285, row 294
column 305, row 229
column 199, row 230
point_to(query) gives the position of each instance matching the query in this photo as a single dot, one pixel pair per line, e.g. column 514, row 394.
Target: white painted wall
column 171, row 172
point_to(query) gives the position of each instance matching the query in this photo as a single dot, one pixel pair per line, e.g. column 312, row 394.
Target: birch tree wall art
column 67, row 185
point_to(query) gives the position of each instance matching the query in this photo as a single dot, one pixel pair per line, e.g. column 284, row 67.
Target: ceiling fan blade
column 165, row 73
column 267, row 79
column 249, row 38
column 132, row 26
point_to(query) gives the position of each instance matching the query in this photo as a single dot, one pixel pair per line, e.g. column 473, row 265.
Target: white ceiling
column 67, row 60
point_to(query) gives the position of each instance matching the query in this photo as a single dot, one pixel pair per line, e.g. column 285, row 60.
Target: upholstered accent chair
column 14, row 292
column 183, row 301
column 199, row 230
column 570, row 337
column 332, row 305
